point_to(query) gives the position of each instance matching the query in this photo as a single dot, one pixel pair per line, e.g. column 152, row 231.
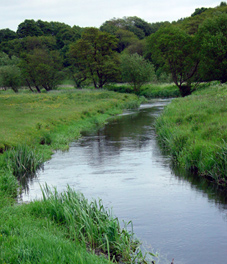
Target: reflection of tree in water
column 132, row 131
column 209, row 189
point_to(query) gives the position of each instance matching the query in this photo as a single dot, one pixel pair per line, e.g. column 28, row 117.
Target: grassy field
column 62, row 228
column 30, row 117
column 194, row 130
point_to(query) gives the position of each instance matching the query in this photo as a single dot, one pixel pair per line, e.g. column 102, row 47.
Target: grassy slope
column 45, row 122
column 194, row 129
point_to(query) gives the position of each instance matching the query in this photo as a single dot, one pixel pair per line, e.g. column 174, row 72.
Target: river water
column 173, row 215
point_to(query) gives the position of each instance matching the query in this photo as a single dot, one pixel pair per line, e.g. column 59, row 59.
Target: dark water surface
column 123, row 165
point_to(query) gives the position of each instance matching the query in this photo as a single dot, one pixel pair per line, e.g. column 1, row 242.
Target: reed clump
column 89, row 223
column 23, row 160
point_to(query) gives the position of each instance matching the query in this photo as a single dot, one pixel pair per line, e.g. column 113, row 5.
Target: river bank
column 194, row 132
column 32, row 127
column 173, row 213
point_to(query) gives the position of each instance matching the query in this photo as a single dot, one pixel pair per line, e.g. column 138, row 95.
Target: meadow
column 194, row 131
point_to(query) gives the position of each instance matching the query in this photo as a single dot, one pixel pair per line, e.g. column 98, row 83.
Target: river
column 173, row 215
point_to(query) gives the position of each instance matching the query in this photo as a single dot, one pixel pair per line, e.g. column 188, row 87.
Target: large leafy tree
column 213, row 36
column 136, row 70
column 40, row 68
column 177, row 53
column 94, row 54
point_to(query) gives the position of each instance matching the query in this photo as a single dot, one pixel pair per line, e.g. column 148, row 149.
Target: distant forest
column 41, row 54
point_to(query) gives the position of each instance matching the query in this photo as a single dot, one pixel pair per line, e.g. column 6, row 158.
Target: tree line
column 191, row 50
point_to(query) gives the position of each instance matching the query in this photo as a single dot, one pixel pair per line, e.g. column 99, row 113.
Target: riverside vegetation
column 61, row 228
column 194, row 131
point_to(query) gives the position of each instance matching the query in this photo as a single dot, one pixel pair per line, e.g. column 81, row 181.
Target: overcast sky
column 95, row 12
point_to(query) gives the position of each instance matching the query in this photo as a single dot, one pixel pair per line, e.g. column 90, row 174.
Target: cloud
column 95, row 12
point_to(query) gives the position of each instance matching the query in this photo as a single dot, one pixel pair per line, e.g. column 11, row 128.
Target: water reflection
column 208, row 188
column 122, row 164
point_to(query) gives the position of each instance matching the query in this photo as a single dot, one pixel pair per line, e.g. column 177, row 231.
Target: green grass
column 151, row 90
column 160, row 90
column 28, row 238
column 194, row 130
column 63, row 228
column 27, row 117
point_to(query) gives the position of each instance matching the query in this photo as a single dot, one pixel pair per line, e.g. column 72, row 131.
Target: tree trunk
column 29, row 86
column 185, row 90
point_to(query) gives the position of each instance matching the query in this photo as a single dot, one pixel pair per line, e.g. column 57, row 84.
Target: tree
column 199, row 11
column 40, row 68
column 94, row 54
column 213, row 36
column 7, row 34
column 136, row 25
column 176, row 52
column 10, row 75
column 136, row 70
column 125, row 39
column 28, row 28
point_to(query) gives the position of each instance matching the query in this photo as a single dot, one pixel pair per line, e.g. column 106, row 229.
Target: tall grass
column 194, row 130
column 27, row 239
column 90, row 223
column 23, row 160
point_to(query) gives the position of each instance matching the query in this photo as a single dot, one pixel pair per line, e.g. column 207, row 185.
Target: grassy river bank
column 194, row 131
column 62, row 228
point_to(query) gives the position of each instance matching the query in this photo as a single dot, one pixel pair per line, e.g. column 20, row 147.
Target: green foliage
column 125, row 39
column 138, row 46
column 95, row 57
column 213, row 36
column 175, row 51
column 7, row 34
column 134, row 24
column 136, row 70
column 199, row 11
column 193, row 129
column 41, row 68
column 28, row 28
column 10, row 77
